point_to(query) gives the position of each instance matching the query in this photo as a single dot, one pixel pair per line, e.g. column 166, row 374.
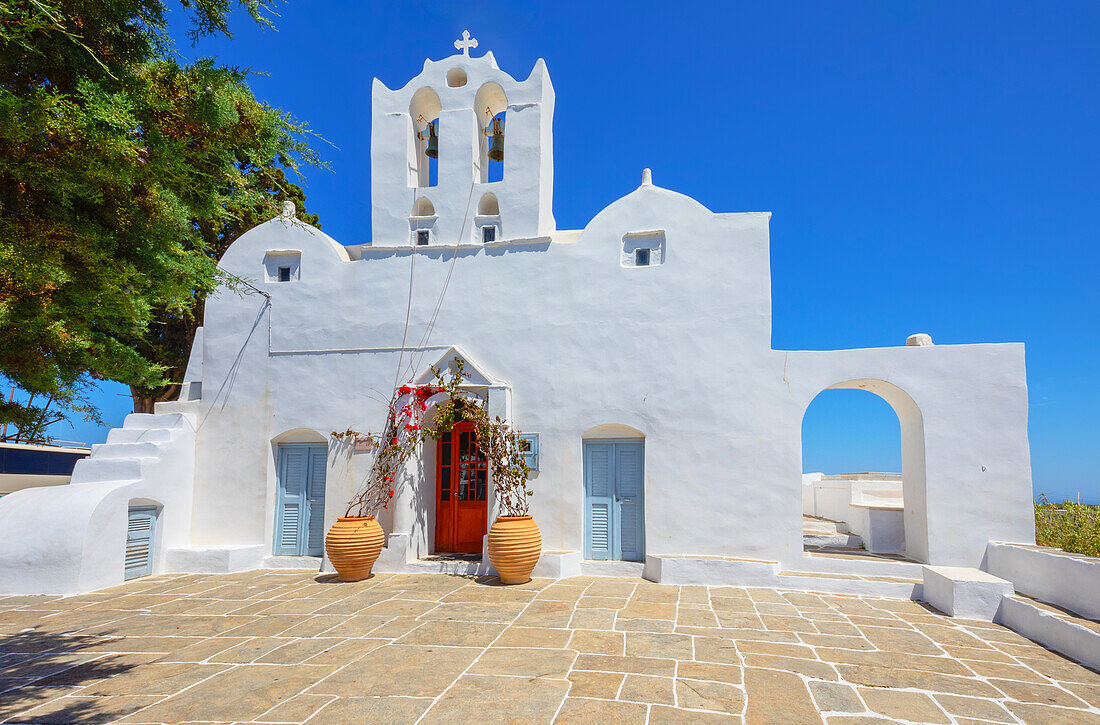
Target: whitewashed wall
column 679, row 351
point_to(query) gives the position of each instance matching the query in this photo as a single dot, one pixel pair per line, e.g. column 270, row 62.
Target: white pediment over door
column 476, row 376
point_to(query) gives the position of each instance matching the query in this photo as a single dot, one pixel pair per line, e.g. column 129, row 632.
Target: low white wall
column 881, row 528
column 1058, row 633
column 1066, row 580
column 873, row 508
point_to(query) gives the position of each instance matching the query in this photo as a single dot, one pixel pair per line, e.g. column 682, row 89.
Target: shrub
column 1072, row 527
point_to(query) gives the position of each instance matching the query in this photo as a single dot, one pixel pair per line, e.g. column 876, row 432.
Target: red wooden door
column 462, row 479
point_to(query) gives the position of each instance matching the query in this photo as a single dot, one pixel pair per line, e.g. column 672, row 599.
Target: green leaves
column 123, row 178
column 1071, row 526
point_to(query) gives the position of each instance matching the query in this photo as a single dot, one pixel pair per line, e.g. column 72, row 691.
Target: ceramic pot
column 353, row 545
column 515, row 545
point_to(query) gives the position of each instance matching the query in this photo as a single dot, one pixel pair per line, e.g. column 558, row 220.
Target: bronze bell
column 496, row 146
column 432, row 152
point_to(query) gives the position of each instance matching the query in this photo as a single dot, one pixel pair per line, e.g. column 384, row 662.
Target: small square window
column 529, row 447
column 488, row 233
column 422, row 237
column 284, row 274
column 641, row 257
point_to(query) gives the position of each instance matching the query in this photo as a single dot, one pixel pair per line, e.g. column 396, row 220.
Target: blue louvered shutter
column 140, row 537
column 629, row 479
column 291, row 500
column 315, row 529
column 599, row 499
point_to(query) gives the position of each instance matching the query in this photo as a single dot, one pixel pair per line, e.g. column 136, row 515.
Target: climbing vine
column 406, row 430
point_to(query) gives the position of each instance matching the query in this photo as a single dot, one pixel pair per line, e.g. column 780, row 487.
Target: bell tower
column 462, row 154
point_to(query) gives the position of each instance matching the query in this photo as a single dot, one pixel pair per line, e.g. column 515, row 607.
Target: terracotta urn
column 353, row 545
column 515, row 545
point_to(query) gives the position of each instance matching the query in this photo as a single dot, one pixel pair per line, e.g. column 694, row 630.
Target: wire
column 408, row 309
column 415, row 361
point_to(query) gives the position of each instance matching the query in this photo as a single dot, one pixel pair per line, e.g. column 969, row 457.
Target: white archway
column 490, row 104
column 914, row 483
column 424, row 110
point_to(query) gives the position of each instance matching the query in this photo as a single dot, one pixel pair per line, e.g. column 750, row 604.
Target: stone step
column 97, row 470
column 823, row 526
column 125, row 450
column 139, row 435
column 312, row 563
column 447, row 566
column 833, row 541
column 825, row 582
column 1056, row 628
column 629, row 569
column 156, row 420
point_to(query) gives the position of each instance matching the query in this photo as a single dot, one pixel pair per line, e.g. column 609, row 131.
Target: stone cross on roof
column 466, row 43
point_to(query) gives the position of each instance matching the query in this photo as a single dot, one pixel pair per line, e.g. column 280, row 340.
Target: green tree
column 121, row 172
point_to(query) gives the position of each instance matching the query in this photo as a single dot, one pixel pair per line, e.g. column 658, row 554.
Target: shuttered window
column 141, row 529
column 300, row 500
column 614, row 492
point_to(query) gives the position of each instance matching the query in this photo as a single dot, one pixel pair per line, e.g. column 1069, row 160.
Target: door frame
column 614, row 527
column 454, row 501
column 307, row 508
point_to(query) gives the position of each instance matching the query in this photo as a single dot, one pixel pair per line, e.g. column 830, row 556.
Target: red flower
column 404, row 390
column 391, row 493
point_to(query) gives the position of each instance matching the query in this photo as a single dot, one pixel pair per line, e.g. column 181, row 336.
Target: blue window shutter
column 140, row 539
column 318, row 463
column 599, row 498
column 531, row 454
column 630, row 482
column 290, row 500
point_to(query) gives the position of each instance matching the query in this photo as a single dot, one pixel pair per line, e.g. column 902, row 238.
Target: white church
column 635, row 356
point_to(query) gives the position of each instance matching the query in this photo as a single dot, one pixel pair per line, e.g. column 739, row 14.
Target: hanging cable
column 418, row 351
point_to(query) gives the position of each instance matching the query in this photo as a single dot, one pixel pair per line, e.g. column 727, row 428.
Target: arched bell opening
column 423, row 141
column 491, row 105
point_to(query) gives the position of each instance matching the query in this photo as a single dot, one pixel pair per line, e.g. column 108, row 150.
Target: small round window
column 456, row 77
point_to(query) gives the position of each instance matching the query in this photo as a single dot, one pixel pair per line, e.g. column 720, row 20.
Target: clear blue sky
column 931, row 167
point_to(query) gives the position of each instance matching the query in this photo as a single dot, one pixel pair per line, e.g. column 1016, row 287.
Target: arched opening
column 424, row 138
column 456, row 78
column 612, row 430
column 487, row 223
column 422, row 221
column 614, row 493
column 863, row 472
column 488, row 205
column 301, row 472
column 490, row 104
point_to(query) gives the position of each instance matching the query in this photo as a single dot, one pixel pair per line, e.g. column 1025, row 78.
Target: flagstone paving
column 293, row 647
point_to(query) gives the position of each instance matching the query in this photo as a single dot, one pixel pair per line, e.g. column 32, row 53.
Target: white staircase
column 823, row 533
column 71, row 539
column 133, row 450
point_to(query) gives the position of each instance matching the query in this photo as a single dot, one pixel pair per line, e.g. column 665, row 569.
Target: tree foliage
column 123, row 176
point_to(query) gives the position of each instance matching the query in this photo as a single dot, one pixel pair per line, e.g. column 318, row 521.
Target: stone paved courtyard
column 292, row 647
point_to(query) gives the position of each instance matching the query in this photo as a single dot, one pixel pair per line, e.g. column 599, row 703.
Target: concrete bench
column 963, row 592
